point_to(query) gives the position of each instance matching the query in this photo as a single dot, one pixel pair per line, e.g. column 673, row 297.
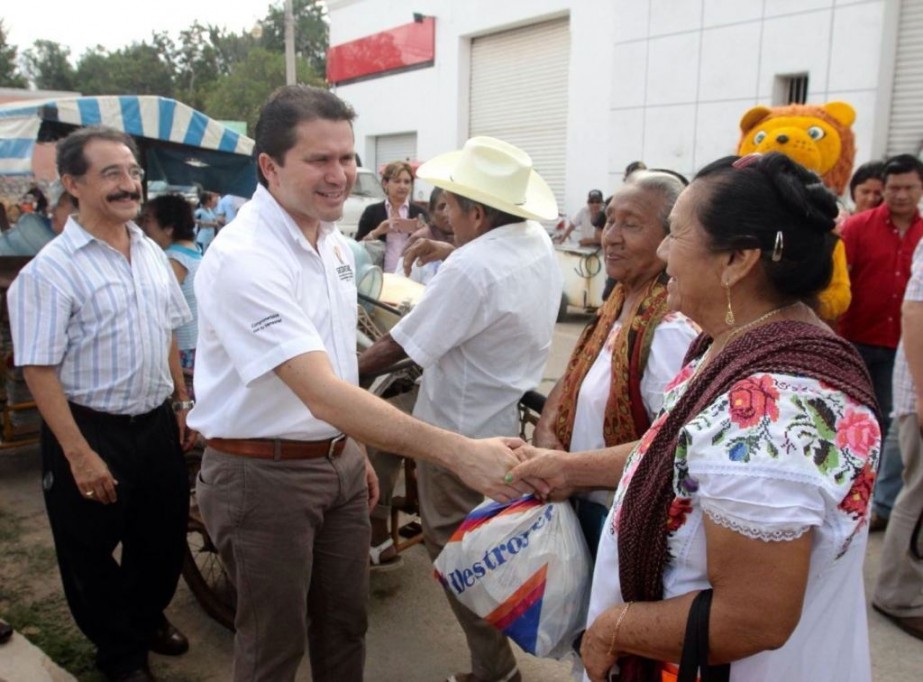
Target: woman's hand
column 544, row 436
column 544, row 470
column 384, row 227
column 595, row 650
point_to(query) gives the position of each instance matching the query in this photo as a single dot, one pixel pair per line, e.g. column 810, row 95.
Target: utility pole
column 289, row 43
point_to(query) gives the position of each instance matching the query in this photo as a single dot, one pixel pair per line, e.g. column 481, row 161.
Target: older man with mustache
column 92, row 318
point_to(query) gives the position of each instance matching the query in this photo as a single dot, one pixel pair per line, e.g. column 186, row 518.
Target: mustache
column 118, row 196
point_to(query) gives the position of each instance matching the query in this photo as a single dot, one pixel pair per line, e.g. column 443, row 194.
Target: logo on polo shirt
column 266, row 322
column 344, row 271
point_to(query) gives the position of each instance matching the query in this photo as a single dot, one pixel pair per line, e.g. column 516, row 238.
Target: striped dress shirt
column 105, row 323
column 905, row 401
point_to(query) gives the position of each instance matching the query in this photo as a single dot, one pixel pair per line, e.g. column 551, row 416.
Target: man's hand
column 372, row 479
column 424, row 251
column 486, row 469
column 93, row 478
column 187, row 437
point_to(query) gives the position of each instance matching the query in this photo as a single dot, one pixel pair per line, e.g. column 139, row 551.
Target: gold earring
column 729, row 318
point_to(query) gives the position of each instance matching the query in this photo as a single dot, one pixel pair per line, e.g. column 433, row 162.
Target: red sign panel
column 399, row 48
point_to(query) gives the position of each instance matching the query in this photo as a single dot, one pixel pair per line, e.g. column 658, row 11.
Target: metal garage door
column 905, row 132
column 519, row 93
column 388, row 148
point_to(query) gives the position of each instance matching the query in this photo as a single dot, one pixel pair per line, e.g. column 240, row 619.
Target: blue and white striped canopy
column 147, row 116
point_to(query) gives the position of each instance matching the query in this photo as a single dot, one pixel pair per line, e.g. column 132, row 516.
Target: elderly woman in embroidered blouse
column 754, row 479
column 615, row 379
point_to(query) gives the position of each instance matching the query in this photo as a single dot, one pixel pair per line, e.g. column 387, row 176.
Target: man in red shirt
column 879, row 249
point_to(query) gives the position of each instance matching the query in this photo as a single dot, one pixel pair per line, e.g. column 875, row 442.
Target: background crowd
column 719, row 428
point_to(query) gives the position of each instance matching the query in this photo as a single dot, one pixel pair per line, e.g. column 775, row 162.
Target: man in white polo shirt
column 481, row 332
column 284, row 495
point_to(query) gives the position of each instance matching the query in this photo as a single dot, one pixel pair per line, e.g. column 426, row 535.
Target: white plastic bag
column 524, row 567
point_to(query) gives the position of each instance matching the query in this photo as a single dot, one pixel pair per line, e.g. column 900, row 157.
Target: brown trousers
column 294, row 536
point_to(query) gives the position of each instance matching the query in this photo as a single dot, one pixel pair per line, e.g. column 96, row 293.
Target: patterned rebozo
column 625, row 419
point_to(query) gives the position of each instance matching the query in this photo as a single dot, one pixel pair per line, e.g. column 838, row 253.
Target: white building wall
column 665, row 81
column 685, row 71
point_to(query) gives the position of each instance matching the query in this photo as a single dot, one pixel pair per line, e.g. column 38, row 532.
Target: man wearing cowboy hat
column 481, row 332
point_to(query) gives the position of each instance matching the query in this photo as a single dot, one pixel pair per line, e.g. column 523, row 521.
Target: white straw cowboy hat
column 494, row 173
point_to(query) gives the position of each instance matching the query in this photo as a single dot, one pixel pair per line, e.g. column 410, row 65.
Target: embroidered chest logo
column 344, row 271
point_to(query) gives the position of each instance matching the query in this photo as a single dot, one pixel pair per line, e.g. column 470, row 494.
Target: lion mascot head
column 818, row 137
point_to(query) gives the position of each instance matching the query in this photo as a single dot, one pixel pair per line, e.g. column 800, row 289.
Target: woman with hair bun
column 754, row 480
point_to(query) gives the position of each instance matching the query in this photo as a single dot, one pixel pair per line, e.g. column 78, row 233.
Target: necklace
column 739, row 330
column 762, row 318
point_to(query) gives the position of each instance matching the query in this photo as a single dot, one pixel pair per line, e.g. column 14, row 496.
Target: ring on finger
column 89, row 493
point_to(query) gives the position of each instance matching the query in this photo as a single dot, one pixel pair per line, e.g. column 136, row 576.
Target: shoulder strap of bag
column 695, row 645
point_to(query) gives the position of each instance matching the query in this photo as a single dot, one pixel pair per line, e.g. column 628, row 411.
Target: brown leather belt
column 277, row 448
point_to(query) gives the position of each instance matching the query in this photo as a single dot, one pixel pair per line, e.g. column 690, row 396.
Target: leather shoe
column 912, row 625
column 168, row 641
column 877, row 523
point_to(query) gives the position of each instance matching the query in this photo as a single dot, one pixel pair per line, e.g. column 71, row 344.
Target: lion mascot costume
column 820, row 138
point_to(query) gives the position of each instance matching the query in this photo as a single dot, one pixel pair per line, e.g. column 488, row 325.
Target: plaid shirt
column 904, row 401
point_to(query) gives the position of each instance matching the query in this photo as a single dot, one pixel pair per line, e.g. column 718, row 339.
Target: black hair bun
column 801, row 192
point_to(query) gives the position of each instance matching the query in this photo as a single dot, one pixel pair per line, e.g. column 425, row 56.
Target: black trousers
column 119, row 604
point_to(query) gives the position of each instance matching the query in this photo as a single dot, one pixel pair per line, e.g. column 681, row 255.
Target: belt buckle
column 331, row 449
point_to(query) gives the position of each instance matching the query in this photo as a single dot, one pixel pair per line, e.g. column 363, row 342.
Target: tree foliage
column 9, row 72
column 227, row 75
column 240, row 95
column 311, row 32
column 137, row 69
column 47, row 64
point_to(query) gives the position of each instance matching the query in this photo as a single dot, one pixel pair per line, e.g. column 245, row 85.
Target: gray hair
column 667, row 186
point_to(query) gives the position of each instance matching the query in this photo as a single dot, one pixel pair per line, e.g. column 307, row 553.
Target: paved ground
column 412, row 636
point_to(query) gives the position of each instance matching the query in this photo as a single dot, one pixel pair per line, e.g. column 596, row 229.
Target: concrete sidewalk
column 22, row 661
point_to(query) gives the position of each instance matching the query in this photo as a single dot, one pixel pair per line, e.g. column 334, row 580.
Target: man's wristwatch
column 181, row 405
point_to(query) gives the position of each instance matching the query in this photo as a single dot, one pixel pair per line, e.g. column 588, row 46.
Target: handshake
column 521, row 470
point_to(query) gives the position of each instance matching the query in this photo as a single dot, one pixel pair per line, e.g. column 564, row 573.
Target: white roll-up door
column 519, row 93
column 400, row 147
column 905, row 133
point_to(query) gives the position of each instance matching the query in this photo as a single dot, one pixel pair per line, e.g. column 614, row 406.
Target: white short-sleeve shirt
column 483, row 330
column 265, row 296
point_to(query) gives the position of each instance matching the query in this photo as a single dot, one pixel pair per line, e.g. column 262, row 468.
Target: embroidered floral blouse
column 771, row 459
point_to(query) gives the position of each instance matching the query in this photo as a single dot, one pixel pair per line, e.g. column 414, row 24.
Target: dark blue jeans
column 880, row 363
